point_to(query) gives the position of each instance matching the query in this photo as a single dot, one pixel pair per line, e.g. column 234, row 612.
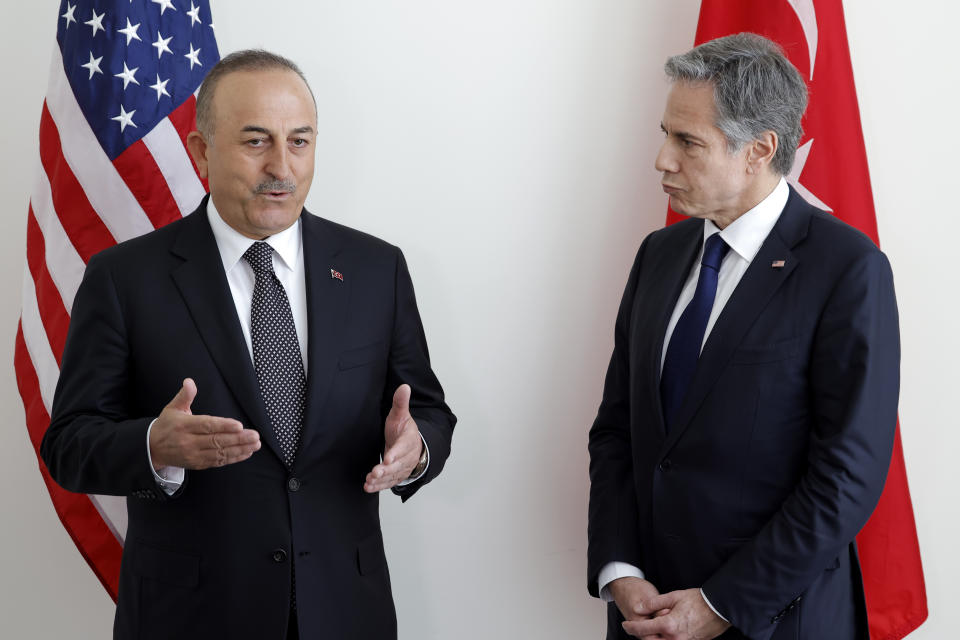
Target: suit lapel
column 327, row 302
column 754, row 291
column 653, row 307
column 203, row 285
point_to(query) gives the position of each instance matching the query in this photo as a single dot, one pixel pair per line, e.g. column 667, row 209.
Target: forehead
column 272, row 94
column 690, row 108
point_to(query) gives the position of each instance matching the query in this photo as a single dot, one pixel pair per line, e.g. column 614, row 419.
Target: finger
column 185, row 396
column 224, row 457
column 230, row 455
column 401, row 399
column 387, row 473
column 662, row 601
column 206, row 425
column 380, row 485
column 373, row 484
column 643, row 628
column 221, row 440
column 396, row 470
column 379, row 479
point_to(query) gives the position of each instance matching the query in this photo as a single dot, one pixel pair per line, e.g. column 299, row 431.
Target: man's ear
column 198, row 147
column 761, row 151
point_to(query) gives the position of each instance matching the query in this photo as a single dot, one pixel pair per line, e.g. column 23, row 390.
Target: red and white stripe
column 82, row 203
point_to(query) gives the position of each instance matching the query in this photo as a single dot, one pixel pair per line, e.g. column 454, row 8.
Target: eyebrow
column 683, row 134
column 255, row 129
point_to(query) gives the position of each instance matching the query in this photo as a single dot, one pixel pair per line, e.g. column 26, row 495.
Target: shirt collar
column 233, row 244
column 746, row 234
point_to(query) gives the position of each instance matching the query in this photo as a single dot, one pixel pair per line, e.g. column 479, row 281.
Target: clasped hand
column 678, row 615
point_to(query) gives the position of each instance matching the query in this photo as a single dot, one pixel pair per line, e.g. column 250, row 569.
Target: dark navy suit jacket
column 215, row 560
column 780, row 449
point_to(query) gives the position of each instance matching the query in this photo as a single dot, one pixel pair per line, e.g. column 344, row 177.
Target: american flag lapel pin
column 336, row 275
column 779, row 264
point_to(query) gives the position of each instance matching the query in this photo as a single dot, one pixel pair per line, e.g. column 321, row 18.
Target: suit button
column 279, row 555
column 293, row 484
column 666, row 465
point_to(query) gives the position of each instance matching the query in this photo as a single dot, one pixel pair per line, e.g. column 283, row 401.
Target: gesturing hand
column 403, row 445
column 689, row 618
column 180, row 439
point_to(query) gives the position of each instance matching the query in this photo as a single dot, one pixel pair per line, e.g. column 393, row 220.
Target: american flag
column 113, row 165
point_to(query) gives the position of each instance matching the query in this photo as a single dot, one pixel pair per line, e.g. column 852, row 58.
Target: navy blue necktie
column 683, row 352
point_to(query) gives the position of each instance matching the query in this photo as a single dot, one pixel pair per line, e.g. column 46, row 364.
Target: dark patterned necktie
column 683, row 352
column 276, row 351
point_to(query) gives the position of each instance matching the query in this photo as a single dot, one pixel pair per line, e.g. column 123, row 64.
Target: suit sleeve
column 93, row 444
column 854, row 386
column 409, row 362
column 613, row 518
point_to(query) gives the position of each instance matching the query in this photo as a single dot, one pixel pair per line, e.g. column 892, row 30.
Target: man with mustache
column 750, row 404
column 250, row 377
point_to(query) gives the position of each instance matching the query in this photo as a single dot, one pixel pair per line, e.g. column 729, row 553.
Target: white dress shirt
column 288, row 265
column 745, row 235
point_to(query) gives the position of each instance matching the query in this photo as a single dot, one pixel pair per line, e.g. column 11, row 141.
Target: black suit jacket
column 215, row 559
column 780, row 449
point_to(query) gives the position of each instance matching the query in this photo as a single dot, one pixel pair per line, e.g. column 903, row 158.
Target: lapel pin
column 779, row 264
column 336, row 275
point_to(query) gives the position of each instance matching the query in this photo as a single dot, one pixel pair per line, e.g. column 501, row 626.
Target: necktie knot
column 260, row 257
column 714, row 249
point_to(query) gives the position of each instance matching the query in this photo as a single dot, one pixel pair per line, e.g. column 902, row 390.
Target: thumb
column 401, row 399
column 185, row 396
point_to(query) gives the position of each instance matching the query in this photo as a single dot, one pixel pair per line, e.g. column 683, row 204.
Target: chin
column 678, row 207
column 275, row 221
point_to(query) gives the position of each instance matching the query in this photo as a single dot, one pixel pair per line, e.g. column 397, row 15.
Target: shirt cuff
column 612, row 571
column 425, row 467
column 168, row 478
column 712, row 608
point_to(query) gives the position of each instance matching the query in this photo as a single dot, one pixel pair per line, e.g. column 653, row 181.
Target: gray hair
column 755, row 89
column 244, row 60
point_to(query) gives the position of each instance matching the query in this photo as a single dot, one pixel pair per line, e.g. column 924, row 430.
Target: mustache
column 275, row 186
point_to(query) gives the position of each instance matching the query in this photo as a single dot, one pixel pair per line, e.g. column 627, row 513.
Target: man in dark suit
column 750, row 404
column 301, row 385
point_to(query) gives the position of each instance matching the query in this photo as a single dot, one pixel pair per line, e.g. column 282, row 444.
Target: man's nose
column 665, row 161
column 278, row 162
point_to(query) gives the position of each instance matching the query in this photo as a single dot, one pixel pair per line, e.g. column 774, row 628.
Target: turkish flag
column 830, row 171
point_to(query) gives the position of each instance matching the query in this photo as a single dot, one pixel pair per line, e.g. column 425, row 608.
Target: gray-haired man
column 750, row 403
column 301, row 387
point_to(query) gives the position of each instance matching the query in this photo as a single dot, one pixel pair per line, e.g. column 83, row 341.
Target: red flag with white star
column 830, row 171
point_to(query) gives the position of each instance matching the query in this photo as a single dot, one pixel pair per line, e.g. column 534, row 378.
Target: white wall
column 507, row 146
